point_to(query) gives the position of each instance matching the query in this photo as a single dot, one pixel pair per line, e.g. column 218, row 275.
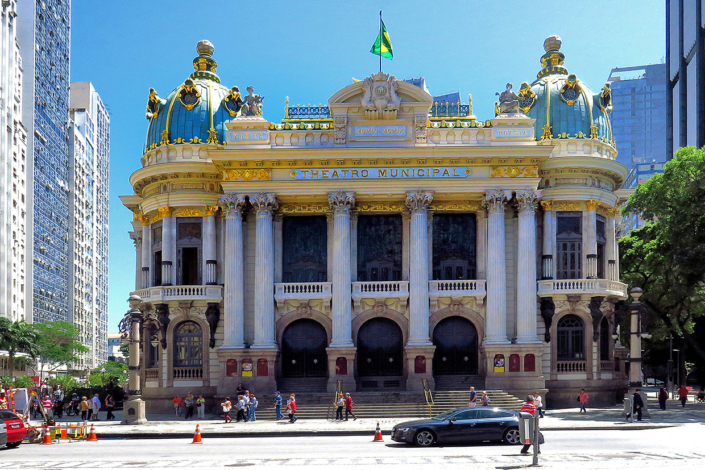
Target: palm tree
column 17, row 337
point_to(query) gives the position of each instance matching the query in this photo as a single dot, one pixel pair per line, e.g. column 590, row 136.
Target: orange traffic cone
column 64, row 433
column 378, row 435
column 47, row 436
column 197, row 436
column 91, row 435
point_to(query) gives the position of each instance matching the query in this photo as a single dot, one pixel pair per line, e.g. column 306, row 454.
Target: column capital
column 136, row 238
column 165, row 211
column 264, row 202
column 140, row 217
column 592, row 204
column 495, row 200
column 211, row 210
column 341, row 201
column 612, row 212
column 527, row 200
column 547, row 205
column 232, row 203
column 418, row 200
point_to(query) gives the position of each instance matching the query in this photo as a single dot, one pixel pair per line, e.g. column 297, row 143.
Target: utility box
column 526, row 428
column 628, row 407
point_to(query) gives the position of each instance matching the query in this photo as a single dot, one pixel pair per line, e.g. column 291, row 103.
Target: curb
column 386, row 432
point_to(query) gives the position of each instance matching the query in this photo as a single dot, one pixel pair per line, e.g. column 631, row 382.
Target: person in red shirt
column 348, row 407
column 530, row 408
column 683, row 394
column 291, row 408
column 46, row 403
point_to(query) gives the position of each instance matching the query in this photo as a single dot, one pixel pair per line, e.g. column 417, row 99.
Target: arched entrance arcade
column 456, row 342
column 380, row 353
column 304, row 350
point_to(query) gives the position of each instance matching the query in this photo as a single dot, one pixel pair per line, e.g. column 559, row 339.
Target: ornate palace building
column 379, row 241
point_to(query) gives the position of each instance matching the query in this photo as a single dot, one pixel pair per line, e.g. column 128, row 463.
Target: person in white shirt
column 95, row 405
column 539, row 404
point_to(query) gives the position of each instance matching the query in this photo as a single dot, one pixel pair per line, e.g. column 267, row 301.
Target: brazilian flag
column 382, row 46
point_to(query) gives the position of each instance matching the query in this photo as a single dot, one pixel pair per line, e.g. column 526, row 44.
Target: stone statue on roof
column 508, row 101
column 253, row 104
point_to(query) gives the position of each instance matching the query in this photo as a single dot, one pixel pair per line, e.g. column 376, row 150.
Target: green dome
column 563, row 106
column 195, row 111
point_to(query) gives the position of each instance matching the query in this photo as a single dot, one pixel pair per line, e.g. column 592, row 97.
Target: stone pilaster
column 234, row 272
column 526, row 274
column 610, row 255
column 209, row 247
column 146, row 254
column 496, row 321
column 547, row 264
column 481, row 220
column 168, row 246
column 136, row 237
column 418, row 202
column 265, row 204
column 590, row 240
column 278, row 246
column 341, row 203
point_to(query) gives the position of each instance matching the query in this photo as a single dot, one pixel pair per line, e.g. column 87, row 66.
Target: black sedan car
column 462, row 425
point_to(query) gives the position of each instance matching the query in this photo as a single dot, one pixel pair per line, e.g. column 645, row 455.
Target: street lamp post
column 637, row 312
column 134, row 408
column 678, row 367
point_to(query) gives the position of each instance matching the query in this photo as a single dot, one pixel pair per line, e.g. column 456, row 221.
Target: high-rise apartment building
column 15, row 299
column 685, row 57
column 89, row 154
column 45, row 40
column 639, row 118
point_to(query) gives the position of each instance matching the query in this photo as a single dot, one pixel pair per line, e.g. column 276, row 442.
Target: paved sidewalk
column 165, row 426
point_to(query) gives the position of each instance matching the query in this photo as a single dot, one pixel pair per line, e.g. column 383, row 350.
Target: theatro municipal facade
column 380, row 241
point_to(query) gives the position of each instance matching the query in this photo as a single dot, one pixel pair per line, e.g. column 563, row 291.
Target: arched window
column 571, row 339
column 605, row 340
column 188, row 345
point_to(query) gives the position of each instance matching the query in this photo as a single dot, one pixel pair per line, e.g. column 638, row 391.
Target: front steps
column 459, row 382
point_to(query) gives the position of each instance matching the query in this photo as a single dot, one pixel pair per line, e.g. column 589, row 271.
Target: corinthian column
column 496, row 331
column 265, row 204
column 234, row 272
column 341, row 203
column 418, row 202
column 146, row 252
column 526, row 272
column 168, row 246
column 209, row 247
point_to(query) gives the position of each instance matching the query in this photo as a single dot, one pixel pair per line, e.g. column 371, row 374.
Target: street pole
column 635, row 342
column 535, row 462
column 670, row 363
column 134, row 408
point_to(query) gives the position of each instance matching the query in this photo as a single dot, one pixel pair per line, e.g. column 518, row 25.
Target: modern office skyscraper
column 89, row 155
column 14, row 293
column 45, row 40
column 685, row 57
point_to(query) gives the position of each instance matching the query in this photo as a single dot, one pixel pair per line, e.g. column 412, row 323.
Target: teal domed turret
column 196, row 111
column 563, row 106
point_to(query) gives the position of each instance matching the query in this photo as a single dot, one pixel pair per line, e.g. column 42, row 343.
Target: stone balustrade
column 188, row 373
column 594, row 287
column 167, row 293
column 303, row 291
column 456, row 290
column 571, row 367
column 380, row 290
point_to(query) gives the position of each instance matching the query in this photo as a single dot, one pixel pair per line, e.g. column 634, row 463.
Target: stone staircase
column 303, row 385
column 459, row 382
column 377, row 405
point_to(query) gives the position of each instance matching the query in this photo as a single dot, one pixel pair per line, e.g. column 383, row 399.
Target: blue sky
column 308, row 50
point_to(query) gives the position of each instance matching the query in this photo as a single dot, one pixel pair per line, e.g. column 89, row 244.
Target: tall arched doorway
column 304, row 350
column 380, row 349
column 456, row 344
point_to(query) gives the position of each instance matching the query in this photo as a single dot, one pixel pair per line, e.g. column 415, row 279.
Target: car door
column 491, row 424
column 461, row 427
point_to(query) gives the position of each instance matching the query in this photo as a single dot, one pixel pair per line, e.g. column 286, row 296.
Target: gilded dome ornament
column 571, row 90
column 606, row 99
column 154, row 104
column 189, row 95
column 233, row 101
column 527, row 97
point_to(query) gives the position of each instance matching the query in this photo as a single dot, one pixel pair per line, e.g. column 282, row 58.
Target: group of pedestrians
column 344, row 402
column 484, row 399
column 186, row 405
column 246, row 407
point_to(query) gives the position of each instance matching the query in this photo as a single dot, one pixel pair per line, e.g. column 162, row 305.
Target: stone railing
column 188, row 373
column 571, row 367
column 593, row 287
column 306, row 291
column 167, row 293
column 476, row 289
column 380, row 290
column 151, row 373
column 606, row 366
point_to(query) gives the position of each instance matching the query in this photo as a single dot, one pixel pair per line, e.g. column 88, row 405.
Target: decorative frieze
column 514, row 171
column 459, row 206
column 376, row 206
column 304, row 208
column 263, row 174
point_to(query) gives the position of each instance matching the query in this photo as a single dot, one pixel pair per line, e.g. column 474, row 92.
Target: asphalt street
column 680, row 447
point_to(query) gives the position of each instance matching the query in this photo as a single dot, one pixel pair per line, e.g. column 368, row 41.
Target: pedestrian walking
column 190, row 404
column 110, row 406
column 348, row 407
column 201, row 407
column 485, row 399
column 241, row 407
column 583, row 399
column 637, row 405
column 539, row 404
column 85, row 409
column 278, row 405
column 58, row 408
column 473, row 398
column 339, row 405
column 252, row 407
column 96, row 407
column 246, row 397
column 47, row 405
column 683, row 394
column 291, row 408
column 178, row 404
column 662, row 397
column 227, row 406
column 528, row 407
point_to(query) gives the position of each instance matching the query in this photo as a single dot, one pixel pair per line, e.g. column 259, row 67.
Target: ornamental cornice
column 341, row 201
column 418, row 200
column 262, row 174
column 380, row 206
column 232, row 203
column 171, row 172
column 459, row 206
column 303, row 208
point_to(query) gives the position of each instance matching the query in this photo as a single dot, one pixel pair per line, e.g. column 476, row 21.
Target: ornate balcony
column 456, row 290
column 162, row 294
column 303, row 292
column 592, row 287
column 376, row 291
column 571, row 367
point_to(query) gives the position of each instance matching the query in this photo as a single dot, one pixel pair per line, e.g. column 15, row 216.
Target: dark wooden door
column 456, row 344
column 304, row 350
column 380, row 349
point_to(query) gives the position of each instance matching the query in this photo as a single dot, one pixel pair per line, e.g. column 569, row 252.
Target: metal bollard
column 629, row 409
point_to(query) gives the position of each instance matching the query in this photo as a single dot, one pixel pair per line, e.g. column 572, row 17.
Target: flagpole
column 380, row 41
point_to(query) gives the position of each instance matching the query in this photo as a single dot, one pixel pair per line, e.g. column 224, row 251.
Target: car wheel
column 12, row 445
column 424, row 438
column 511, row 437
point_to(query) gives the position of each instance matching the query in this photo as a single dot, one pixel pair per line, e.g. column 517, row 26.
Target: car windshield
column 8, row 415
column 445, row 415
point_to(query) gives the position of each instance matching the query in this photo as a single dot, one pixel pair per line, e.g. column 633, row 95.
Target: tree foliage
column 58, row 344
column 666, row 257
column 17, row 336
column 109, row 375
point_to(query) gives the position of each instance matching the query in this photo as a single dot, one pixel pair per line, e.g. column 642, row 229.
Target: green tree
column 57, row 345
column 17, row 336
column 66, row 382
column 666, row 257
column 109, row 375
